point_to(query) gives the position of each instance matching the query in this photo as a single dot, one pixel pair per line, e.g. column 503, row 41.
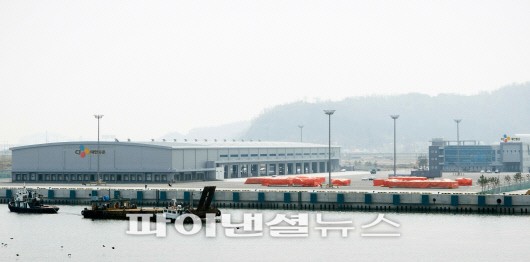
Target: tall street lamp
column 329, row 113
column 394, row 117
column 98, row 117
column 458, row 145
column 301, row 127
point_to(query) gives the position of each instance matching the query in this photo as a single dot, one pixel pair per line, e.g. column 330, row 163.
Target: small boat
column 204, row 207
column 28, row 201
column 115, row 209
column 173, row 211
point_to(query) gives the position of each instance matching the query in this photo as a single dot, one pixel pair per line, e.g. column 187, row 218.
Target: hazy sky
column 152, row 67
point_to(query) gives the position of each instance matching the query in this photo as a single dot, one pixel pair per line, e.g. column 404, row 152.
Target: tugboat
column 28, row 201
column 115, row 209
column 175, row 210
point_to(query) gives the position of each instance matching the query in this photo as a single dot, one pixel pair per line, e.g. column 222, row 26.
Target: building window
column 234, row 155
column 244, row 155
column 262, row 154
column 272, row 154
column 223, row 155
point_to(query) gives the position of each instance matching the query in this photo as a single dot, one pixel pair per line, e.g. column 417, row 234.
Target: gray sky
column 152, row 67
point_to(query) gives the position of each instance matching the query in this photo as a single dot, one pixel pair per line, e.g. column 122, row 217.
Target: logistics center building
column 511, row 155
column 166, row 162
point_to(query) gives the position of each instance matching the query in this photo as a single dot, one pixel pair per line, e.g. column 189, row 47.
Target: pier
column 292, row 199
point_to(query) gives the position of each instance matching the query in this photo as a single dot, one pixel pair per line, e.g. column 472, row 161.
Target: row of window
column 265, row 155
column 511, row 151
column 89, row 177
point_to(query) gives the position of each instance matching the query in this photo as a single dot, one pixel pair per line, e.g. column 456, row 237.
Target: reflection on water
column 434, row 237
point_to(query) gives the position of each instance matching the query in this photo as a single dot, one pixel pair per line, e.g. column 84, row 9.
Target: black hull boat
column 28, row 201
column 118, row 213
column 33, row 210
column 106, row 208
column 119, row 208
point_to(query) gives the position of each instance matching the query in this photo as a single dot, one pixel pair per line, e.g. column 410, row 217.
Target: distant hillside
column 364, row 123
column 228, row 131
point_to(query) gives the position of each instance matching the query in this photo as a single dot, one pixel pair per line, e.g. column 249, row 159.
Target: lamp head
column 329, row 112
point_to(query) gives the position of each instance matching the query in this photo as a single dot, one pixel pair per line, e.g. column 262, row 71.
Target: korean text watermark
column 254, row 225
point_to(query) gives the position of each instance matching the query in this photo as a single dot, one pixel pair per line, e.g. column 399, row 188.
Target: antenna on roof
column 128, row 140
column 163, row 139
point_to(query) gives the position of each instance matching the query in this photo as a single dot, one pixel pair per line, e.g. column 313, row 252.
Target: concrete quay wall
column 327, row 199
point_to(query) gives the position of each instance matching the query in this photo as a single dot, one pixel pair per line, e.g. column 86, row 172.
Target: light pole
column 98, row 117
column 329, row 113
column 394, row 117
column 458, row 146
column 301, row 127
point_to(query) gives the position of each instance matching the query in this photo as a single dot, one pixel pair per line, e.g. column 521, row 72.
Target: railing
column 516, row 186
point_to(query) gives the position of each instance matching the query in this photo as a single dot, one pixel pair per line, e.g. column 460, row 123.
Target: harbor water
column 66, row 236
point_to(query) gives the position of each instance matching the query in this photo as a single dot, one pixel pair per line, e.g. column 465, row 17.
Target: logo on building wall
column 84, row 151
column 507, row 139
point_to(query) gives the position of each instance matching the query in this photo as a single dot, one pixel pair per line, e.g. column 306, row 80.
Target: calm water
column 423, row 237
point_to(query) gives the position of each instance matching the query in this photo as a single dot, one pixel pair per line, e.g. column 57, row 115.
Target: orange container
column 464, row 181
column 254, row 180
column 279, row 181
column 379, row 182
column 340, row 182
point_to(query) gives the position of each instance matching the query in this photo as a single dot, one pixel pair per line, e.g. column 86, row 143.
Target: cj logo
column 506, row 138
column 84, row 151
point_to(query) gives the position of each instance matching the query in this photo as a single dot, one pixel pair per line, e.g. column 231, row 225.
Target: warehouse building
column 166, row 162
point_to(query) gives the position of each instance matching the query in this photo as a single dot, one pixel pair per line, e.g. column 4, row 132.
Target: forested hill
column 364, row 123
